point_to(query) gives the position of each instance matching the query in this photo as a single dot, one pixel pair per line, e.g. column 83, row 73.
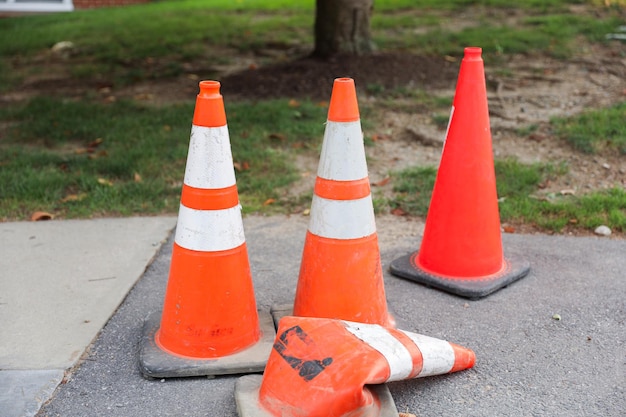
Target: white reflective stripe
column 209, row 230
column 343, row 152
column 437, row 354
column 445, row 138
column 209, row 159
column 342, row 219
column 397, row 355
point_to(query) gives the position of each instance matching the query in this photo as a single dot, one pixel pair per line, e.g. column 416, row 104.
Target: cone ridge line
column 342, row 219
column 438, row 356
column 209, row 230
column 343, row 154
column 209, row 160
column 396, row 354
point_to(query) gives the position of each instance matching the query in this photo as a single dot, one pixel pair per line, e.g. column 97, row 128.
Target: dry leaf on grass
column 41, row 215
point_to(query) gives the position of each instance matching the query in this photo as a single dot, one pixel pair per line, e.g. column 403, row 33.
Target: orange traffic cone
column 209, row 324
column 461, row 250
column 340, row 273
column 320, row 368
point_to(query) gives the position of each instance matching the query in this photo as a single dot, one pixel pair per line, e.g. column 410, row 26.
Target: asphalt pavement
column 551, row 344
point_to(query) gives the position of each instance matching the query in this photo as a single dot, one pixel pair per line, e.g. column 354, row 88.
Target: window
column 36, row 6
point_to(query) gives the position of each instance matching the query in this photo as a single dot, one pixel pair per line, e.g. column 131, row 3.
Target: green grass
column 47, row 163
column 517, row 185
column 596, row 131
column 116, row 42
column 136, row 160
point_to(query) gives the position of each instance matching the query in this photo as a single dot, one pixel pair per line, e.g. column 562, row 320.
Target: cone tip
column 209, row 110
column 473, row 53
column 209, row 88
column 343, row 105
column 464, row 358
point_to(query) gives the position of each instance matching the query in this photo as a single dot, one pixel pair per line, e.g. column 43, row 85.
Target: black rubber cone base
column 473, row 288
column 278, row 311
column 247, row 398
column 156, row 363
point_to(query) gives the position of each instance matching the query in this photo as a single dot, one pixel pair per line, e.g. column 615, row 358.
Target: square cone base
column 247, row 398
column 278, row 311
column 156, row 363
column 472, row 288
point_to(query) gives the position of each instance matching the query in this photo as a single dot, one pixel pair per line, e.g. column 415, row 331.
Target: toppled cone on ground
column 330, row 368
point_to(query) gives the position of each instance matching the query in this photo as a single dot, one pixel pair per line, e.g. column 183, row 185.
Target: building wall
column 92, row 4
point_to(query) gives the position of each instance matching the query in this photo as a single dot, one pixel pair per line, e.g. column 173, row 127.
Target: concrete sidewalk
column 60, row 283
column 528, row 363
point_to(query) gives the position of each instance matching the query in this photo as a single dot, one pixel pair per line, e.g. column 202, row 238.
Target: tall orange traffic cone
column 461, row 250
column 209, row 324
column 340, row 272
column 320, row 367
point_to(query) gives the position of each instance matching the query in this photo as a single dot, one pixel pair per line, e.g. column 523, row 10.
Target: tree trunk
column 342, row 26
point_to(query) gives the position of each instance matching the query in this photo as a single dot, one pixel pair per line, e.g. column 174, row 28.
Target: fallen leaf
column 306, row 212
column 322, row 104
column 406, row 415
column 398, row 212
column 382, row 182
column 167, row 128
column 568, row 191
column 137, row 177
column 380, row 136
column 508, row 229
column 269, row 201
column 573, row 221
column 293, row 103
column 95, row 143
column 241, row 166
column 73, row 197
column 278, row 136
column 104, row 181
column 253, row 66
column 41, row 215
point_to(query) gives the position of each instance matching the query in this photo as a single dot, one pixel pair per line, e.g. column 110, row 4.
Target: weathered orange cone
column 461, row 250
column 320, row 368
column 340, row 272
column 209, row 324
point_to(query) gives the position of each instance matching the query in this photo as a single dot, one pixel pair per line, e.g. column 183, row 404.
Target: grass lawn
column 77, row 156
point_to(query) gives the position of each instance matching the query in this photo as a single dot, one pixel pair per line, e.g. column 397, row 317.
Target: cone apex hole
column 473, row 52
column 209, row 88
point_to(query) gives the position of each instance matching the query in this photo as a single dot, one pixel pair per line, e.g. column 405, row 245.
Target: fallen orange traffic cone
column 320, row 368
column 209, row 324
column 340, row 273
column 461, row 250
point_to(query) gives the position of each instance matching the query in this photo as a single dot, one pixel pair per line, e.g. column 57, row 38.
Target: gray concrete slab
column 60, row 282
column 528, row 363
column 23, row 392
